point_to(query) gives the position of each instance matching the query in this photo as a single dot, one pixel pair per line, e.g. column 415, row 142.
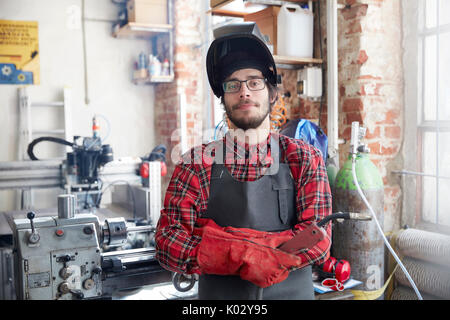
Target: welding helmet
column 335, row 268
column 238, row 46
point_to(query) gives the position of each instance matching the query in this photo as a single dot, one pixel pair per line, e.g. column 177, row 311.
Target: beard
column 248, row 122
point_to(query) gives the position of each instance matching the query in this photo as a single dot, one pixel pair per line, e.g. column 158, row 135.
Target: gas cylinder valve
column 355, row 141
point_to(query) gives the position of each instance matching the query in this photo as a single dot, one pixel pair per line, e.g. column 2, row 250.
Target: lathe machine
column 62, row 257
column 81, row 250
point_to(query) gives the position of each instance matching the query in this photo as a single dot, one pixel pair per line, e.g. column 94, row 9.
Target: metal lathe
column 80, row 250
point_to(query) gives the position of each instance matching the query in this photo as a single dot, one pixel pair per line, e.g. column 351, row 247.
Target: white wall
column 129, row 108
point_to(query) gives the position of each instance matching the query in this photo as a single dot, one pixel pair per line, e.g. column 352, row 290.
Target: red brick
column 375, row 148
column 363, row 57
column 346, row 134
column 362, row 91
column 353, row 105
column 354, row 27
column 355, row 11
column 392, row 191
column 378, row 149
column 354, row 116
column 373, row 133
column 368, row 77
column 391, row 117
column 393, row 132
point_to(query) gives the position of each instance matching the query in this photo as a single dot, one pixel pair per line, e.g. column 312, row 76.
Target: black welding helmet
column 238, row 46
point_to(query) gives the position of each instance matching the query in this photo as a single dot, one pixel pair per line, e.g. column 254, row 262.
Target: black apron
column 266, row 204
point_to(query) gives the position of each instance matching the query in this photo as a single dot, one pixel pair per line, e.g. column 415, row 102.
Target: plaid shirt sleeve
column 313, row 198
column 174, row 238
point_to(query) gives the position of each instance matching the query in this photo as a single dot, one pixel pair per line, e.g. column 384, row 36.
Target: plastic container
column 165, row 68
column 142, row 61
column 154, row 66
column 295, row 31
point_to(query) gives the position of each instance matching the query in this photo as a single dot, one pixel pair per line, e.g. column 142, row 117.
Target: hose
column 52, row 139
column 355, row 180
column 339, row 215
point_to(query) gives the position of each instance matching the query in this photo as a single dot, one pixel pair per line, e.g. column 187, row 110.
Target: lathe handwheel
column 179, row 278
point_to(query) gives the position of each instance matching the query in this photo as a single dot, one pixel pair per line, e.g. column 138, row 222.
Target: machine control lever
column 77, row 294
column 33, row 237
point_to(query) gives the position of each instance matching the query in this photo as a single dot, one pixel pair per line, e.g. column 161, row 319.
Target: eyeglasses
column 254, row 84
column 333, row 284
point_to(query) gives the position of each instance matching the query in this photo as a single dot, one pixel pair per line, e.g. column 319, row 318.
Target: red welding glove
column 270, row 239
column 223, row 253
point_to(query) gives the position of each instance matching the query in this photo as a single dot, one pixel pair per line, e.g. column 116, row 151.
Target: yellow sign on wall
column 19, row 52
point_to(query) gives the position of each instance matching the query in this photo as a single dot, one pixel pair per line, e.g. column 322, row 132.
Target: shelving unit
column 134, row 30
column 153, row 79
column 140, row 30
column 296, row 61
column 241, row 8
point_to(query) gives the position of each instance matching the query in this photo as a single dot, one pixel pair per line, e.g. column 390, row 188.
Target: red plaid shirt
column 188, row 192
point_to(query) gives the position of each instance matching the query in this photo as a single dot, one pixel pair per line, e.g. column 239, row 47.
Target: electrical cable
column 355, row 180
column 215, row 130
column 38, row 140
column 337, row 215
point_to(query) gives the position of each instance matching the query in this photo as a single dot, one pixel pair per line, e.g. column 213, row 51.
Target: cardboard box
column 147, row 11
column 267, row 22
column 214, row 3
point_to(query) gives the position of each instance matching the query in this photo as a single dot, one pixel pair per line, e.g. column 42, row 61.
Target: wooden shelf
column 153, row 79
column 240, row 8
column 140, row 30
column 295, row 60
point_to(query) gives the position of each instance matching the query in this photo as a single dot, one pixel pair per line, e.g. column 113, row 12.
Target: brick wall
column 188, row 63
column 371, row 88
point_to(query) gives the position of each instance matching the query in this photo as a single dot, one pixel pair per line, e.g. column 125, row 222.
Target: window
column 427, row 110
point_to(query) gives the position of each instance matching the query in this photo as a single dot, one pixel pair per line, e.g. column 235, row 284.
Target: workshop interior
column 100, row 98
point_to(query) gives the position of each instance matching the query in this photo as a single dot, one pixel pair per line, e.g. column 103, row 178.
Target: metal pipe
column 405, row 172
column 332, row 87
column 141, row 229
column 66, row 206
column 48, row 173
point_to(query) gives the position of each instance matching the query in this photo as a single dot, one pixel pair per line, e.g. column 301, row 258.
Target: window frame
column 416, row 126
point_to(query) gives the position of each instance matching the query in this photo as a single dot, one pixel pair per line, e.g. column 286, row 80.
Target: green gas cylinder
column 359, row 242
column 332, row 171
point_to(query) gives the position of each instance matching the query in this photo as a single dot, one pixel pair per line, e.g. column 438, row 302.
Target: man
column 231, row 203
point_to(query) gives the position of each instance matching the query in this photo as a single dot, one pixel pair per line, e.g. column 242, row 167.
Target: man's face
column 247, row 109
